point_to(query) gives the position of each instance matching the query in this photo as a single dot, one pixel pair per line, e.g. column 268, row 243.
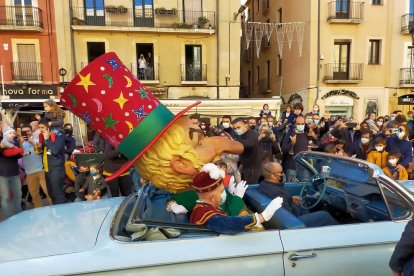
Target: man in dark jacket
column 113, row 161
column 251, row 157
column 225, row 126
column 346, row 132
column 273, row 187
column 295, row 141
column 70, row 142
column 54, row 162
column 402, row 260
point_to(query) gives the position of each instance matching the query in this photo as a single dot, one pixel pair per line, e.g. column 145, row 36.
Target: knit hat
column 208, row 179
column 118, row 107
column 7, row 129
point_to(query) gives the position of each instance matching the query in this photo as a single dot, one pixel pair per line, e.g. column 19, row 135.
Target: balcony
column 148, row 75
column 406, row 20
column 407, row 77
column 18, row 18
column 26, row 71
column 343, row 73
column 193, row 74
column 127, row 18
column 345, row 12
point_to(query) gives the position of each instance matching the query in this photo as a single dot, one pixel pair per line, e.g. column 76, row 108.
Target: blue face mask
column 300, row 128
column 316, row 122
column 93, row 173
column 238, row 132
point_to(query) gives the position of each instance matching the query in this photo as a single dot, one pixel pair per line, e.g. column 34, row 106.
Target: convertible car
column 136, row 235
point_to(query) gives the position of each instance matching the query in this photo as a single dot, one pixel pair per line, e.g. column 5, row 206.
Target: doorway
column 193, row 63
column 341, row 67
column 145, row 68
column 95, row 49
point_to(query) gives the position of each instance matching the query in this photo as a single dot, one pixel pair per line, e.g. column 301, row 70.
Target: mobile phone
column 23, row 133
column 394, row 130
column 349, row 124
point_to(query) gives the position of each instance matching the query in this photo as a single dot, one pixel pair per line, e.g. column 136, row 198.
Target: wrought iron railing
column 406, row 21
column 351, row 71
column 343, row 9
column 26, row 71
column 191, row 72
column 17, row 16
column 407, row 76
column 177, row 19
column 150, row 72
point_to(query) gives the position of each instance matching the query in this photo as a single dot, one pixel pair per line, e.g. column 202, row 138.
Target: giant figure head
column 166, row 149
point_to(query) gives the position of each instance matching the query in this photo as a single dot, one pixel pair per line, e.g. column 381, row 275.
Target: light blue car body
column 77, row 238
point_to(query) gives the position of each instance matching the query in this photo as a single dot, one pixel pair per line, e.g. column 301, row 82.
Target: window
column 374, row 51
column 279, row 66
column 258, row 74
column 376, row 2
column 95, row 49
column 268, row 75
column 193, row 63
column 279, row 15
column 143, row 16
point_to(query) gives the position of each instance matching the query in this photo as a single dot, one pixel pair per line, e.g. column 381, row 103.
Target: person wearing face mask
column 70, row 142
column 250, row 159
column 398, row 141
column 251, row 121
column 80, row 181
column 347, row 132
column 391, row 169
column 364, row 145
column 226, row 127
column 272, row 186
column 95, row 185
column 378, row 155
column 208, row 184
column 295, row 141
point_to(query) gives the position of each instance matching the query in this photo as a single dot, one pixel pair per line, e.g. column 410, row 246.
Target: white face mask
column 392, row 162
column 226, row 125
column 364, row 140
column 401, row 134
column 379, row 148
column 379, row 123
column 270, row 124
column 223, row 197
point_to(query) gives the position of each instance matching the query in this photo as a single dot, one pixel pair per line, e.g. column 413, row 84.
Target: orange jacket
column 378, row 158
column 403, row 175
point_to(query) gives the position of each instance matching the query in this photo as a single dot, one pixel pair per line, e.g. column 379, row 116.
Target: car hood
column 409, row 184
column 53, row 230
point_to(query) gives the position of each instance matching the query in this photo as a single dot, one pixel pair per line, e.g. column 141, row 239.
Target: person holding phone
column 295, row 141
column 348, row 132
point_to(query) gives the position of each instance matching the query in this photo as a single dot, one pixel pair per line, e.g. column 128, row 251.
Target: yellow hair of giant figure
column 155, row 164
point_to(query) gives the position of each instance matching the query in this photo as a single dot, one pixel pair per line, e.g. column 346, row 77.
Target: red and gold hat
column 208, row 179
column 115, row 104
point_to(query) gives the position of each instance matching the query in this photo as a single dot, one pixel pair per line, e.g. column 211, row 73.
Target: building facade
column 28, row 57
column 356, row 56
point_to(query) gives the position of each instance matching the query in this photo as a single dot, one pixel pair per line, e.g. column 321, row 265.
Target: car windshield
column 332, row 166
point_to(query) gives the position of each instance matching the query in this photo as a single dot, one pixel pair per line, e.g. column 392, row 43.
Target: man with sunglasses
column 272, row 186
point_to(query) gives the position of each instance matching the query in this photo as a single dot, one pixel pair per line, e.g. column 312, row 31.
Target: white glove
column 178, row 209
column 240, row 189
column 272, row 208
column 232, row 185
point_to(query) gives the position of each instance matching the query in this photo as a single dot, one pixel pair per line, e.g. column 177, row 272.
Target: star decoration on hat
column 86, row 117
column 85, row 81
column 121, row 100
column 109, row 122
column 114, row 64
column 140, row 112
column 143, row 94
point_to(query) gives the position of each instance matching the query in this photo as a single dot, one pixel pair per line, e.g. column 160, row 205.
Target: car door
column 353, row 249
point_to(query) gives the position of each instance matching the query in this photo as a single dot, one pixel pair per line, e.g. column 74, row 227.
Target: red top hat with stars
column 116, row 105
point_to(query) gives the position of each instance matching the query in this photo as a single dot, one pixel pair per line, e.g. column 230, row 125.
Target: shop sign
column 30, row 91
column 406, row 100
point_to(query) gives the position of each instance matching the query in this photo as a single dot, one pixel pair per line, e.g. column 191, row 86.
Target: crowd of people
column 383, row 140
